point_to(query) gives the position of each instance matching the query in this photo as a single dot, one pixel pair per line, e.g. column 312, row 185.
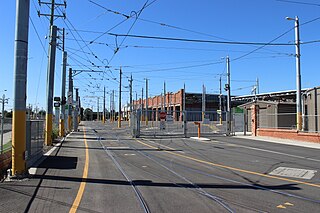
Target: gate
column 182, row 124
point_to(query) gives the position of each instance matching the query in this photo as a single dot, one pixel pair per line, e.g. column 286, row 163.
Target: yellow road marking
column 281, row 207
column 77, row 201
column 233, row 168
column 288, row 204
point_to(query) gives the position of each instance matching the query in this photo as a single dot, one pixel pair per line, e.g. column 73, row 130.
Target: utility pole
column 4, row 101
column 203, row 101
column 63, row 87
column 164, row 98
column 104, row 105
column 184, row 111
column 51, row 67
column 131, row 103
column 298, row 73
column 111, row 107
column 70, row 100
column 142, row 104
column 120, row 85
column 220, row 100
column 50, row 84
column 136, row 107
column 98, row 112
column 146, row 102
column 257, row 85
column 228, row 88
column 20, row 88
column 75, row 112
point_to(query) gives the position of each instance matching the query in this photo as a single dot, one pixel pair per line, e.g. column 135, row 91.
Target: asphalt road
column 102, row 169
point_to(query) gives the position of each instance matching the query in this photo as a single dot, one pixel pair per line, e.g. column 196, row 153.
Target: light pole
column 298, row 74
column 3, row 101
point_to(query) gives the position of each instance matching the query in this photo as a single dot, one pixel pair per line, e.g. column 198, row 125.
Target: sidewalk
column 280, row 141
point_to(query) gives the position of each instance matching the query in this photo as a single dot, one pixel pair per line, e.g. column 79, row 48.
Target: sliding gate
column 183, row 124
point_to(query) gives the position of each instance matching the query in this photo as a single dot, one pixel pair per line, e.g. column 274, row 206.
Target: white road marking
column 117, row 147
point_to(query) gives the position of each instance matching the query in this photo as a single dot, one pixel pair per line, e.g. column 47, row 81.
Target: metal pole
column 63, row 94
column 110, row 107
column 142, row 104
column 131, row 103
column 104, row 105
column 52, row 12
column 113, row 107
column 20, row 87
column 120, row 85
column 298, row 79
column 257, row 86
column 2, row 122
column 203, row 101
column 184, row 112
column 75, row 114
column 50, row 85
column 164, row 98
column 98, row 116
column 220, row 100
column 229, row 98
column 146, row 102
column 3, row 101
column 70, row 99
column 136, row 100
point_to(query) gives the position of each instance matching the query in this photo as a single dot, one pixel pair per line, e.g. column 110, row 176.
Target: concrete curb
column 200, row 139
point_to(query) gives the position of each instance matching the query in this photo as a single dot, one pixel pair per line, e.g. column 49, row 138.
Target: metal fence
column 35, row 140
column 153, row 123
column 5, row 134
column 183, row 124
column 310, row 123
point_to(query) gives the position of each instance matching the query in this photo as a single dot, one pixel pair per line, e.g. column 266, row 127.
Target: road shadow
column 59, row 162
column 150, row 183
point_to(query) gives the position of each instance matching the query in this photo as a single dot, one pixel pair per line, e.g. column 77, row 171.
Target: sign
column 169, row 118
column 56, row 98
column 219, row 112
column 56, row 104
column 237, row 110
column 163, row 115
column 69, row 98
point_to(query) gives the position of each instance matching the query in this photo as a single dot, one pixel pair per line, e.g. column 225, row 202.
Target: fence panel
column 211, row 122
column 35, row 140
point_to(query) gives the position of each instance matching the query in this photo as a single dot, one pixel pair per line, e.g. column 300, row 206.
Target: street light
column 298, row 74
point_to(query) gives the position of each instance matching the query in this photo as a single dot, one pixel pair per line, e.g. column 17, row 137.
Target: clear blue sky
column 229, row 20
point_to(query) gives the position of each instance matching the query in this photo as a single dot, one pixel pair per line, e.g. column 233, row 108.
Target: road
column 102, row 169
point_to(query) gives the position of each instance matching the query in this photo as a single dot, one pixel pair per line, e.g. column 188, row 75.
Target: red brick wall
column 254, row 123
column 5, row 162
column 289, row 134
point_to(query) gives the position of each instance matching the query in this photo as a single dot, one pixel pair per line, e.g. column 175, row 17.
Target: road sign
column 56, row 98
column 56, row 104
column 169, row 118
column 219, row 112
column 163, row 115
